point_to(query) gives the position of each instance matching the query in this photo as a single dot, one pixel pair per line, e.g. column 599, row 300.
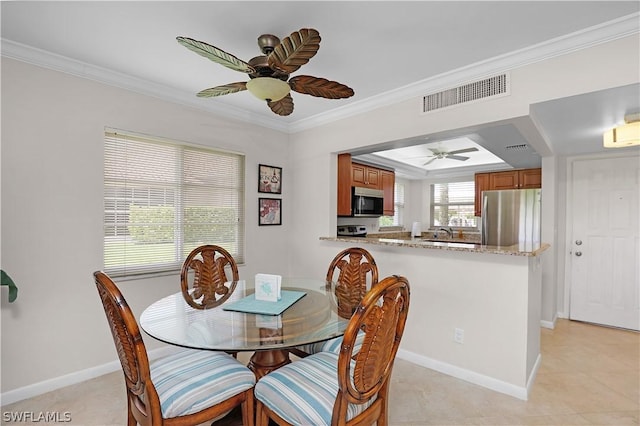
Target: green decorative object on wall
column 13, row 289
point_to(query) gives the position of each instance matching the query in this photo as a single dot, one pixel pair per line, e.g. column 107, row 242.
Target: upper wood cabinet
column 365, row 176
column 388, row 186
column 481, row 184
column 354, row 174
column 530, row 178
column 344, row 185
column 503, row 180
column 516, row 179
column 510, row 179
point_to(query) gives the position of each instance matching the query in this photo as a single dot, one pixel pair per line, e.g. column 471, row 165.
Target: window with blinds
column 452, row 204
column 162, row 199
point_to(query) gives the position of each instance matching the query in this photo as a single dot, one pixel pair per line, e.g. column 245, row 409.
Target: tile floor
column 590, row 375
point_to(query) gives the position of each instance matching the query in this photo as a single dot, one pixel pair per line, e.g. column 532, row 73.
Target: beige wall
column 52, row 126
column 52, row 173
column 575, row 73
column 578, row 72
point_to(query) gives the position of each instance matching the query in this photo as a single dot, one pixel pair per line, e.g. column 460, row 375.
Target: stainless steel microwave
column 366, row 202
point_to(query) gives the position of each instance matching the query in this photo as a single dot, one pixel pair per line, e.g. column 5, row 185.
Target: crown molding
column 592, row 36
column 45, row 59
column 602, row 33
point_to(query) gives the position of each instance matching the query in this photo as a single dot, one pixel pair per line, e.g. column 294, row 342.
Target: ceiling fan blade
column 320, row 87
column 295, row 50
column 457, row 157
column 460, row 151
column 282, row 107
column 430, row 161
column 222, row 90
column 216, row 55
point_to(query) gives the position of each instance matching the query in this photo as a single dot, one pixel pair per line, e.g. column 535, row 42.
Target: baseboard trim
column 470, row 376
column 49, row 385
column 549, row 324
column 534, row 374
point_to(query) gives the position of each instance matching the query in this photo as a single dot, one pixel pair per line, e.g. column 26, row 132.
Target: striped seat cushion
column 332, row 345
column 192, row 380
column 304, row 392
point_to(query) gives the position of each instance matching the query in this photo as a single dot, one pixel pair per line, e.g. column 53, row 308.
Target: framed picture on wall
column 269, row 211
column 269, row 179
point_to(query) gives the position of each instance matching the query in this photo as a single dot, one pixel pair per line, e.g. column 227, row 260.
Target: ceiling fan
column 441, row 155
column 269, row 73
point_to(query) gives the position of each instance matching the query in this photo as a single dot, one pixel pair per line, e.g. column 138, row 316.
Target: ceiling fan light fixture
column 268, row 88
column 625, row 135
column 269, row 73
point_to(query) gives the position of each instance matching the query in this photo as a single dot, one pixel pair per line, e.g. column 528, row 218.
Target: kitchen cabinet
column 530, row 178
column 516, row 179
column 503, row 180
column 388, row 179
column 354, row 174
column 365, row 176
column 481, row 184
column 344, row 185
column 510, row 179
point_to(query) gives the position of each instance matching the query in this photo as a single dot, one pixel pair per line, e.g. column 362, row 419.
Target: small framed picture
column 269, row 179
column 269, row 211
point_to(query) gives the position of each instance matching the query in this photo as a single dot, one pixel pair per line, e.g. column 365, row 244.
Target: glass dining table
column 312, row 318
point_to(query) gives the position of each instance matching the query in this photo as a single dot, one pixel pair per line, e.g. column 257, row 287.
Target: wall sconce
column 627, row 134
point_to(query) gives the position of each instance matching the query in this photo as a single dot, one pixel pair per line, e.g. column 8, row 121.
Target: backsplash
column 469, row 236
column 373, row 230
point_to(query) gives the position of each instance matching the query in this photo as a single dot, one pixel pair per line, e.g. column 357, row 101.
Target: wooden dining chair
column 348, row 388
column 354, row 272
column 204, row 279
column 188, row 387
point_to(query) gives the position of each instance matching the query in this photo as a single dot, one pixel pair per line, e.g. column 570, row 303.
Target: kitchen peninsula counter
column 475, row 310
column 523, row 249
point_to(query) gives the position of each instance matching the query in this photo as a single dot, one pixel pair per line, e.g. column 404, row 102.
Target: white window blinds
column 163, row 199
column 452, row 204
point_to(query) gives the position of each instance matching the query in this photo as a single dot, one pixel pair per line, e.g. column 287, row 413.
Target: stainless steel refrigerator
column 511, row 217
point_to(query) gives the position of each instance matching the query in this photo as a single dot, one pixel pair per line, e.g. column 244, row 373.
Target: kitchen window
column 452, row 204
column 398, row 209
column 163, row 198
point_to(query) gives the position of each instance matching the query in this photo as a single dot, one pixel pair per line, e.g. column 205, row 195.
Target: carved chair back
column 381, row 315
column 204, row 280
column 354, row 271
column 142, row 397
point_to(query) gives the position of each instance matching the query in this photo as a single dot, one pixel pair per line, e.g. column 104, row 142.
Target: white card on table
column 268, row 287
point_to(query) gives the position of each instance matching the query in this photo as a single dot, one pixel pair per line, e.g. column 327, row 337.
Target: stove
column 352, row 231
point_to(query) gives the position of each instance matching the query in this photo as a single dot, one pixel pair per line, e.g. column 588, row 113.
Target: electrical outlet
column 458, row 335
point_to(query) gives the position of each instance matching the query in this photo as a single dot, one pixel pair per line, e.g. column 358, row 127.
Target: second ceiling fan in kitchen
column 453, row 155
column 269, row 73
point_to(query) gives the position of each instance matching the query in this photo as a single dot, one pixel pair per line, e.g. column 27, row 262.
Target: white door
column 605, row 246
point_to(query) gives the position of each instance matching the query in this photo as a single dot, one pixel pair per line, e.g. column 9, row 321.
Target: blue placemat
column 250, row 305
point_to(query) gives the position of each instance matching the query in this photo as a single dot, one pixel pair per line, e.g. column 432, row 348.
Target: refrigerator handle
column 483, row 220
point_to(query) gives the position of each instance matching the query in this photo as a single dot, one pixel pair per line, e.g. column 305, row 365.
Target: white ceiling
column 379, row 48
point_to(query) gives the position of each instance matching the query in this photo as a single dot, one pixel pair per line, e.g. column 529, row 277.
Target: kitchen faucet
column 448, row 230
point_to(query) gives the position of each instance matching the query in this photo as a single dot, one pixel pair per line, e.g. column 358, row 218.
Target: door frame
column 568, row 255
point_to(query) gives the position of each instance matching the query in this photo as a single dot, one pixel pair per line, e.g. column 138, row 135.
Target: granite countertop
column 524, row 249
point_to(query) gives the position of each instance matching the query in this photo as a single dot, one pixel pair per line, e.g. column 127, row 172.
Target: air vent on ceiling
column 481, row 89
column 520, row 147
